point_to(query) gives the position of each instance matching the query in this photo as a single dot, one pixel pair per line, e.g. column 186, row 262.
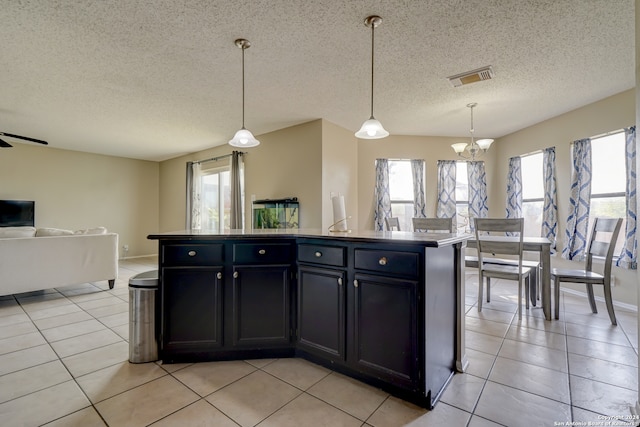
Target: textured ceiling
column 157, row 79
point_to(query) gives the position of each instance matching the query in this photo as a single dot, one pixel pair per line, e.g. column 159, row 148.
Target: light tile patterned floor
column 64, row 362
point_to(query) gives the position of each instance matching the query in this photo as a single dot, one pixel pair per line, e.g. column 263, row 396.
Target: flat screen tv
column 17, row 213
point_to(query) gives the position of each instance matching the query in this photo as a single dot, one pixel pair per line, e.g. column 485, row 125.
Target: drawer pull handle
column 219, row 275
column 318, row 254
column 192, row 253
column 340, row 281
column 262, row 251
column 235, row 274
column 355, row 283
column 382, row 261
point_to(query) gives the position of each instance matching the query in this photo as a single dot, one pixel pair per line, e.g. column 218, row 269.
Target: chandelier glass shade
column 474, row 149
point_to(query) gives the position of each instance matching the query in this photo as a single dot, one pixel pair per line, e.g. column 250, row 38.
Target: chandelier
column 474, row 149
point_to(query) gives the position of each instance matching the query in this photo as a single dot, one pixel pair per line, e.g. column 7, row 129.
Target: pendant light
column 474, row 148
column 243, row 138
column 372, row 128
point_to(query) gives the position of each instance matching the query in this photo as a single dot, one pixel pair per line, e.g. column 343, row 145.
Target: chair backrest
column 492, row 238
column 604, row 234
column 391, row 223
column 433, row 224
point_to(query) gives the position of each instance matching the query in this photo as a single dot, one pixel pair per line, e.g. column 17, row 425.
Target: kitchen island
column 386, row 308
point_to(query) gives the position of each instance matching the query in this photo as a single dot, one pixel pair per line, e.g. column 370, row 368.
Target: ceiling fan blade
column 39, row 141
column 5, row 144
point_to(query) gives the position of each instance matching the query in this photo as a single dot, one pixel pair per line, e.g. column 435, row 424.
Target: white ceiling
column 157, row 79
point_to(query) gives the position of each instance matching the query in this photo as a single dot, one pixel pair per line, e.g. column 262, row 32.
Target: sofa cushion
column 95, row 230
column 42, row 232
column 6, row 232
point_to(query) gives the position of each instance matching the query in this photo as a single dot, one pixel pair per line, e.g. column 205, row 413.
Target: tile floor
column 64, row 362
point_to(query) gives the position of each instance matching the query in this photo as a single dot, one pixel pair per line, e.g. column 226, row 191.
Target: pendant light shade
column 243, row 138
column 372, row 128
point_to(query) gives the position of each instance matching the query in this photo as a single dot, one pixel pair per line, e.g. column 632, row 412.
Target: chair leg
column 520, row 299
column 608, row 300
column 556, row 290
column 592, row 300
column 526, row 290
column 488, row 289
column 480, row 289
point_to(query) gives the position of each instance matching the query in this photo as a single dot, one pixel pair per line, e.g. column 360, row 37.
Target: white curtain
column 446, row 207
column 382, row 209
column 550, row 207
column 194, row 196
column 417, row 170
column 579, row 201
column 477, row 179
column 514, row 188
column 236, row 217
column 629, row 256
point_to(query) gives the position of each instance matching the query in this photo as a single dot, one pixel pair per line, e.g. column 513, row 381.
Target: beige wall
column 609, row 114
column 74, row 190
column 339, row 172
column 287, row 163
column 429, row 148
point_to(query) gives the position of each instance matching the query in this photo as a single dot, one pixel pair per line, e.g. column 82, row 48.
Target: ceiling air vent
column 484, row 73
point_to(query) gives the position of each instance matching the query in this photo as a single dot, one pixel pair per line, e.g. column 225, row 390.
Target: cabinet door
column 261, row 304
column 191, row 308
column 321, row 312
column 385, row 328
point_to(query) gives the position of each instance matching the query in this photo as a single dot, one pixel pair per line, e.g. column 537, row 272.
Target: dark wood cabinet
column 385, row 329
column 321, row 312
column 261, row 307
column 381, row 311
column 192, row 321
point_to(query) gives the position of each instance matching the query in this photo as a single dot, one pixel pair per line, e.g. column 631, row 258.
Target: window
column 216, row 199
column 608, row 180
column 462, row 197
column 532, row 193
column 401, row 192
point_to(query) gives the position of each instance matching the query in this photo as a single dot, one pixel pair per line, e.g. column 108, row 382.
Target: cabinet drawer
column 391, row 262
column 196, row 254
column 262, row 253
column 320, row 254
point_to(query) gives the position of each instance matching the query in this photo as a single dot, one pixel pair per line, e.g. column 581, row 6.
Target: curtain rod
column 213, row 159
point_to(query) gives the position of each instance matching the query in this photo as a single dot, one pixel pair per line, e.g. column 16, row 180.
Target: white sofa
column 35, row 259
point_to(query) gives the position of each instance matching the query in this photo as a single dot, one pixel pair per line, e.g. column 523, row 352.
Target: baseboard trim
column 624, row 305
column 137, row 256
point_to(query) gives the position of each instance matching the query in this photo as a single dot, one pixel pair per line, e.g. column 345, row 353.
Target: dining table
column 542, row 245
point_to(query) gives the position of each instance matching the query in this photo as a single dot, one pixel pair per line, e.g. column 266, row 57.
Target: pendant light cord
column 243, row 49
column 372, row 53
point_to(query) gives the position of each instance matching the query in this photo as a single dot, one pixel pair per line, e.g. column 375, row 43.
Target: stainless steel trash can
column 143, row 344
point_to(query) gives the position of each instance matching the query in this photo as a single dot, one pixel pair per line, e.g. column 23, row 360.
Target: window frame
column 407, row 224
column 216, row 170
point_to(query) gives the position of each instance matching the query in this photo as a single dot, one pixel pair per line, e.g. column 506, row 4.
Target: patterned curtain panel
column 514, row 188
column 579, row 201
column 446, row 207
column 383, row 201
column 194, row 196
column 477, row 192
column 417, row 170
column 550, row 207
column 629, row 255
column 236, row 217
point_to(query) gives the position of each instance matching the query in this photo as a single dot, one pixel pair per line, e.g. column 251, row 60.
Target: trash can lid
column 148, row 279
